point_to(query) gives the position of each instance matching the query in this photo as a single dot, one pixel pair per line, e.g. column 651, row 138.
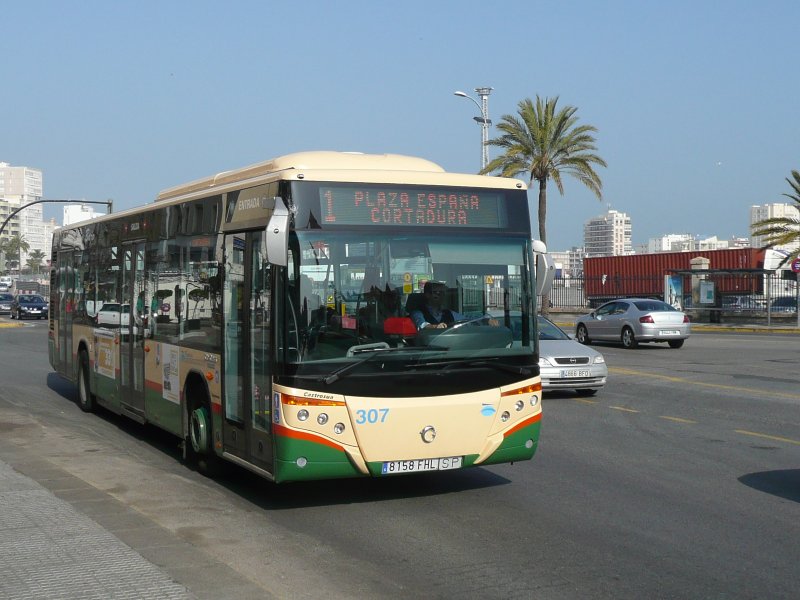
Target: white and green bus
column 262, row 316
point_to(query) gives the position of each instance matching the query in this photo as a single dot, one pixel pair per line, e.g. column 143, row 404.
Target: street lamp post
column 109, row 203
column 484, row 121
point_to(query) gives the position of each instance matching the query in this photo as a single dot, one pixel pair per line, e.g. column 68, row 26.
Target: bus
column 262, row 316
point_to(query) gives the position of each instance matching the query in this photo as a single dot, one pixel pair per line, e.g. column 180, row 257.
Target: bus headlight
column 302, row 414
column 322, row 418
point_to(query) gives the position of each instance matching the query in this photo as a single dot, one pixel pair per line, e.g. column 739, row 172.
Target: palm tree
column 35, row 260
column 15, row 245
column 544, row 143
column 783, row 231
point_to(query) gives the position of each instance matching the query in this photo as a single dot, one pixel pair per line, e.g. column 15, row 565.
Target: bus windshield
column 356, row 293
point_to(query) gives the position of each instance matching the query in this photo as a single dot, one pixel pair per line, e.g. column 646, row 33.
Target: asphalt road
column 680, row 480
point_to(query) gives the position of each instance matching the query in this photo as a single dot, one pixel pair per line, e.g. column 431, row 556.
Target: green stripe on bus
column 321, row 462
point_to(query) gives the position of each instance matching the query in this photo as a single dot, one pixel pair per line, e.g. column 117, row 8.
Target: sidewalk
column 50, row 550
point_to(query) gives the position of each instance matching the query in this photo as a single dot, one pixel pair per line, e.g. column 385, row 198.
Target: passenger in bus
column 310, row 303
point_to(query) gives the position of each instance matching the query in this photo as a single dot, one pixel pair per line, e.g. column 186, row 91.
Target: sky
column 696, row 103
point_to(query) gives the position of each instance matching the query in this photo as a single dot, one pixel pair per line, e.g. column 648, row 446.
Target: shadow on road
column 269, row 496
column 784, row 483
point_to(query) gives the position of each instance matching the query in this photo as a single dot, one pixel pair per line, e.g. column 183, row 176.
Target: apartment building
column 772, row 211
column 18, row 187
column 608, row 235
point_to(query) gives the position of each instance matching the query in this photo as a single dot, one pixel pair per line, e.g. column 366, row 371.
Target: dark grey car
column 29, row 306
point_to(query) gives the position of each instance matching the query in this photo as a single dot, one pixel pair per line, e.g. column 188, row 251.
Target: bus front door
column 247, row 326
column 132, row 330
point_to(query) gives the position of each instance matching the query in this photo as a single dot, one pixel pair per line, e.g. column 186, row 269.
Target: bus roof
column 342, row 166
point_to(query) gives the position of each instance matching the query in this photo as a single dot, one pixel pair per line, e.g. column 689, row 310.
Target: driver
column 431, row 313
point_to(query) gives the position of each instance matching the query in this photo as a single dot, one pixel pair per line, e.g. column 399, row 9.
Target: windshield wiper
column 373, row 352
column 479, row 362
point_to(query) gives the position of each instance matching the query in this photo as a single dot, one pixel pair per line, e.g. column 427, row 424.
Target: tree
column 35, row 260
column 15, row 245
column 544, row 143
column 783, row 231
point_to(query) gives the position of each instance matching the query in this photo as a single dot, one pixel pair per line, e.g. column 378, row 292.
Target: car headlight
column 543, row 362
column 599, row 359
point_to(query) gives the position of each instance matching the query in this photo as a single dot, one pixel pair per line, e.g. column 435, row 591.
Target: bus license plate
column 575, row 373
column 397, row 467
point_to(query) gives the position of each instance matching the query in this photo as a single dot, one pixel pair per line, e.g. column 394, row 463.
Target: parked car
column 26, row 306
column 565, row 364
column 114, row 314
column 632, row 321
column 743, row 304
column 784, row 304
column 5, row 302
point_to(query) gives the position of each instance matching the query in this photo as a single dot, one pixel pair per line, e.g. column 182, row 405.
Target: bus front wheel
column 200, row 430
column 85, row 398
column 199, row 448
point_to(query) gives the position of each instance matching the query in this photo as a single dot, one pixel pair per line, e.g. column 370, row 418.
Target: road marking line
column 677, row 419
column 719, row 386
column 768, row 437
column 585, row 401
column 622, row 408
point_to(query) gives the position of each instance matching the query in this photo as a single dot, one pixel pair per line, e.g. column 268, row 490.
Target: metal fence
column 766, row 293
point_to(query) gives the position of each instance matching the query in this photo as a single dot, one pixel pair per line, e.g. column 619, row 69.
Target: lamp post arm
column 108, row 203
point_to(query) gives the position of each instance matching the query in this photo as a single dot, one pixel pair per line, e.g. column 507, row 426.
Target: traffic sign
column 796, row 265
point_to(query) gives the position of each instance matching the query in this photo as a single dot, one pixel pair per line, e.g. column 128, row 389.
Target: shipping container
column 609, row 277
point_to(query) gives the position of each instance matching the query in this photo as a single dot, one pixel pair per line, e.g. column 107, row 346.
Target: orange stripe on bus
column 304, row 435
column 525, row 423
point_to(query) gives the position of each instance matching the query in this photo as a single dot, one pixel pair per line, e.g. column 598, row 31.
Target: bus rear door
column 132, row 329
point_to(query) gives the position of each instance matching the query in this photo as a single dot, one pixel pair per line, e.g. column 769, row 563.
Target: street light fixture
column 484, row 121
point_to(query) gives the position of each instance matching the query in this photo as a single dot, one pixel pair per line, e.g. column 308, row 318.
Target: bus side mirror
column 545, row 268
column 278, row 234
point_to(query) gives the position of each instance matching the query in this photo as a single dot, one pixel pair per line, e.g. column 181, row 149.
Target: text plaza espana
column 427, row 209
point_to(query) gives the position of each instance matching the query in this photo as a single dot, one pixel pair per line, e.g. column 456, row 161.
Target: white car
column 566, row 364
column 112, row 314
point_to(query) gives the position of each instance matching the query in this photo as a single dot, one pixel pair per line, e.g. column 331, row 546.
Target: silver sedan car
column 565, row 364
column 5, row 302
column 632, row 321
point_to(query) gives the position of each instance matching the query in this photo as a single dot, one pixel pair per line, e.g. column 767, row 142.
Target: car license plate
column 670, row 332
column 397, row 467
column 565, row 373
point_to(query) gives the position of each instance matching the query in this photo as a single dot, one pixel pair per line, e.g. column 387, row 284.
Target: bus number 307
column 372, row 416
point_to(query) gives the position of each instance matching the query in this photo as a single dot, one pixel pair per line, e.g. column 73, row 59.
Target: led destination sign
column 375, row 205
